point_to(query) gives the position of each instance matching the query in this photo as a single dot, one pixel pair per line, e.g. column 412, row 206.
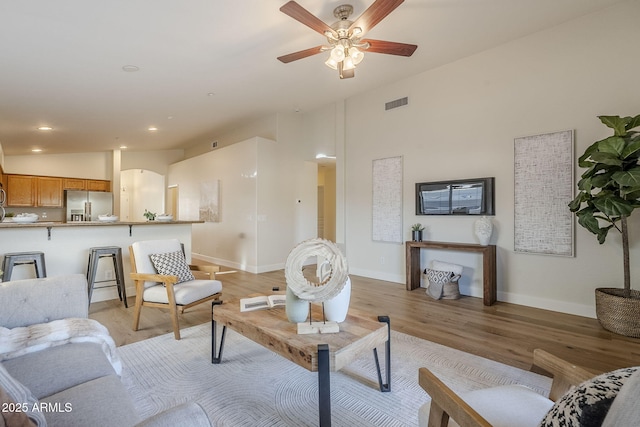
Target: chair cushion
column 588, row 403
column 174, row 264
column 501, row 406
column 185, row 292
column 509, row 405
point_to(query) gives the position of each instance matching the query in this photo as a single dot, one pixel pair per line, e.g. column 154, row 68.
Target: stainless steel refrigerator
column 87, row 205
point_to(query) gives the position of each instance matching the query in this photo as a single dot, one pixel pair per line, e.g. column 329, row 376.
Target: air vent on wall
column 397, row 103
column 214, row 144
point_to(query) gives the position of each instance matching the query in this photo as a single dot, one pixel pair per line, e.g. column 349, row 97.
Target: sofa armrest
column 30, row 301
column 187, row 414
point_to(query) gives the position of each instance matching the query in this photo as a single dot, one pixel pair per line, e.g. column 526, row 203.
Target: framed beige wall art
column 543, row 187
column 387, row 200
column 210, row 201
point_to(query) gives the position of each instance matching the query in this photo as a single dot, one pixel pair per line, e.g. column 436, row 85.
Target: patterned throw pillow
column 587, row 404
column 174, row 264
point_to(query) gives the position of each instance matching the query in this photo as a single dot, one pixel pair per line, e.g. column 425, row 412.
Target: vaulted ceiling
column 206, row 66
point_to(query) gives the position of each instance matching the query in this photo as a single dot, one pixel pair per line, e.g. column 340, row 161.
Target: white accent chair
column 502, row 406
column 164, row 291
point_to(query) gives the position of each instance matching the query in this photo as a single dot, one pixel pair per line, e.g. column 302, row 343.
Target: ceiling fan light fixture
column 330, row 35
column 344, row 37
column 337, row 53
column 348, row 63
column 331, row 63
column 356, row 55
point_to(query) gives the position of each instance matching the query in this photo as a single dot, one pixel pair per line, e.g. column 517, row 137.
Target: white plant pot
column 336, row 308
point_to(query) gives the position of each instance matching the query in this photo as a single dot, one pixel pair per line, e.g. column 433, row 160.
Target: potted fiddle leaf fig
column 609, row 192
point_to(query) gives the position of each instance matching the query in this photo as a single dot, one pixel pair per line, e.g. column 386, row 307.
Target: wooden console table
column 488, row 264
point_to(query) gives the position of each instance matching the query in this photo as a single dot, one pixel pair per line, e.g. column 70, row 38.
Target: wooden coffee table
column 322, row 353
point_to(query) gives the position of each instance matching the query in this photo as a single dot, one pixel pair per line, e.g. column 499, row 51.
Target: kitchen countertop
column 12, row 224
column 66, row 245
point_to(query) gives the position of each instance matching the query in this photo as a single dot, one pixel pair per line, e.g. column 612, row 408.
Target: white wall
column 260, row 183
column 265, row 127
column 81, row 165
column 157, row 161
column 461, row 122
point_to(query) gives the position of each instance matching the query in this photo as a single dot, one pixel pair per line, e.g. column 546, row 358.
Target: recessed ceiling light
column 45, row 128
column 123, row 147
column 211, row 94
column 36, row 150
column 152, row 128
column 130, row 68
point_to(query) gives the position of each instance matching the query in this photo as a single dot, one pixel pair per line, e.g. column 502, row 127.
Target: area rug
column 255, row 387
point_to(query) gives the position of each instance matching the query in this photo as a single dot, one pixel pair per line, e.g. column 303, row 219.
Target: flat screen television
column 457, row 197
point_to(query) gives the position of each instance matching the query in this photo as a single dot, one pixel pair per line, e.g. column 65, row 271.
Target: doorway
column 141, row 190
column 327, row 201
column 172, row 201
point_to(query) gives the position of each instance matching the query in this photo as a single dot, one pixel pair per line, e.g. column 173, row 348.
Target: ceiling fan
column 344, row 37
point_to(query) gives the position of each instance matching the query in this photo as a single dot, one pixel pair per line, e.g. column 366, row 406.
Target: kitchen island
column 66, row 246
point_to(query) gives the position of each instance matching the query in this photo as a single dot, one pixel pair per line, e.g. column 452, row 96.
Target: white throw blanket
column 23, row 340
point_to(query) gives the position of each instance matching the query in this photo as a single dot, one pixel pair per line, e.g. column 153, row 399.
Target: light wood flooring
column 504, row 332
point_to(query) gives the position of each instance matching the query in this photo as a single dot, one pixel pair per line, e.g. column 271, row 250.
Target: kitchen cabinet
column 86, row 184
column 21, row 190
column 98, row 185
column 46, row 191
column 49, row 192
column 74, row 184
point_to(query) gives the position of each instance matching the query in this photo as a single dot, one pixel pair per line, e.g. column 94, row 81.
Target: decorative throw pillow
column 173, row 264
column 22, row 396
column 587, row 404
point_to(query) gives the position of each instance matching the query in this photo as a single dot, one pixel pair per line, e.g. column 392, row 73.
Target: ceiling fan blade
column 305, row 17
column 391, row 48
column 301, row 54
column 375, row 13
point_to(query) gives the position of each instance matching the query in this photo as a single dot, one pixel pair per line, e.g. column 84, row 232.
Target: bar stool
column 20, row 258
column 115, row 253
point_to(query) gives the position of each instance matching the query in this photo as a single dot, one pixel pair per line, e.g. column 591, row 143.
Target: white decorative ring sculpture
column 316, row 292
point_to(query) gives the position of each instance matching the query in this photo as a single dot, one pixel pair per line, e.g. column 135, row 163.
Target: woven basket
column 617, row 313
column 451, row 290
column 442, row 284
